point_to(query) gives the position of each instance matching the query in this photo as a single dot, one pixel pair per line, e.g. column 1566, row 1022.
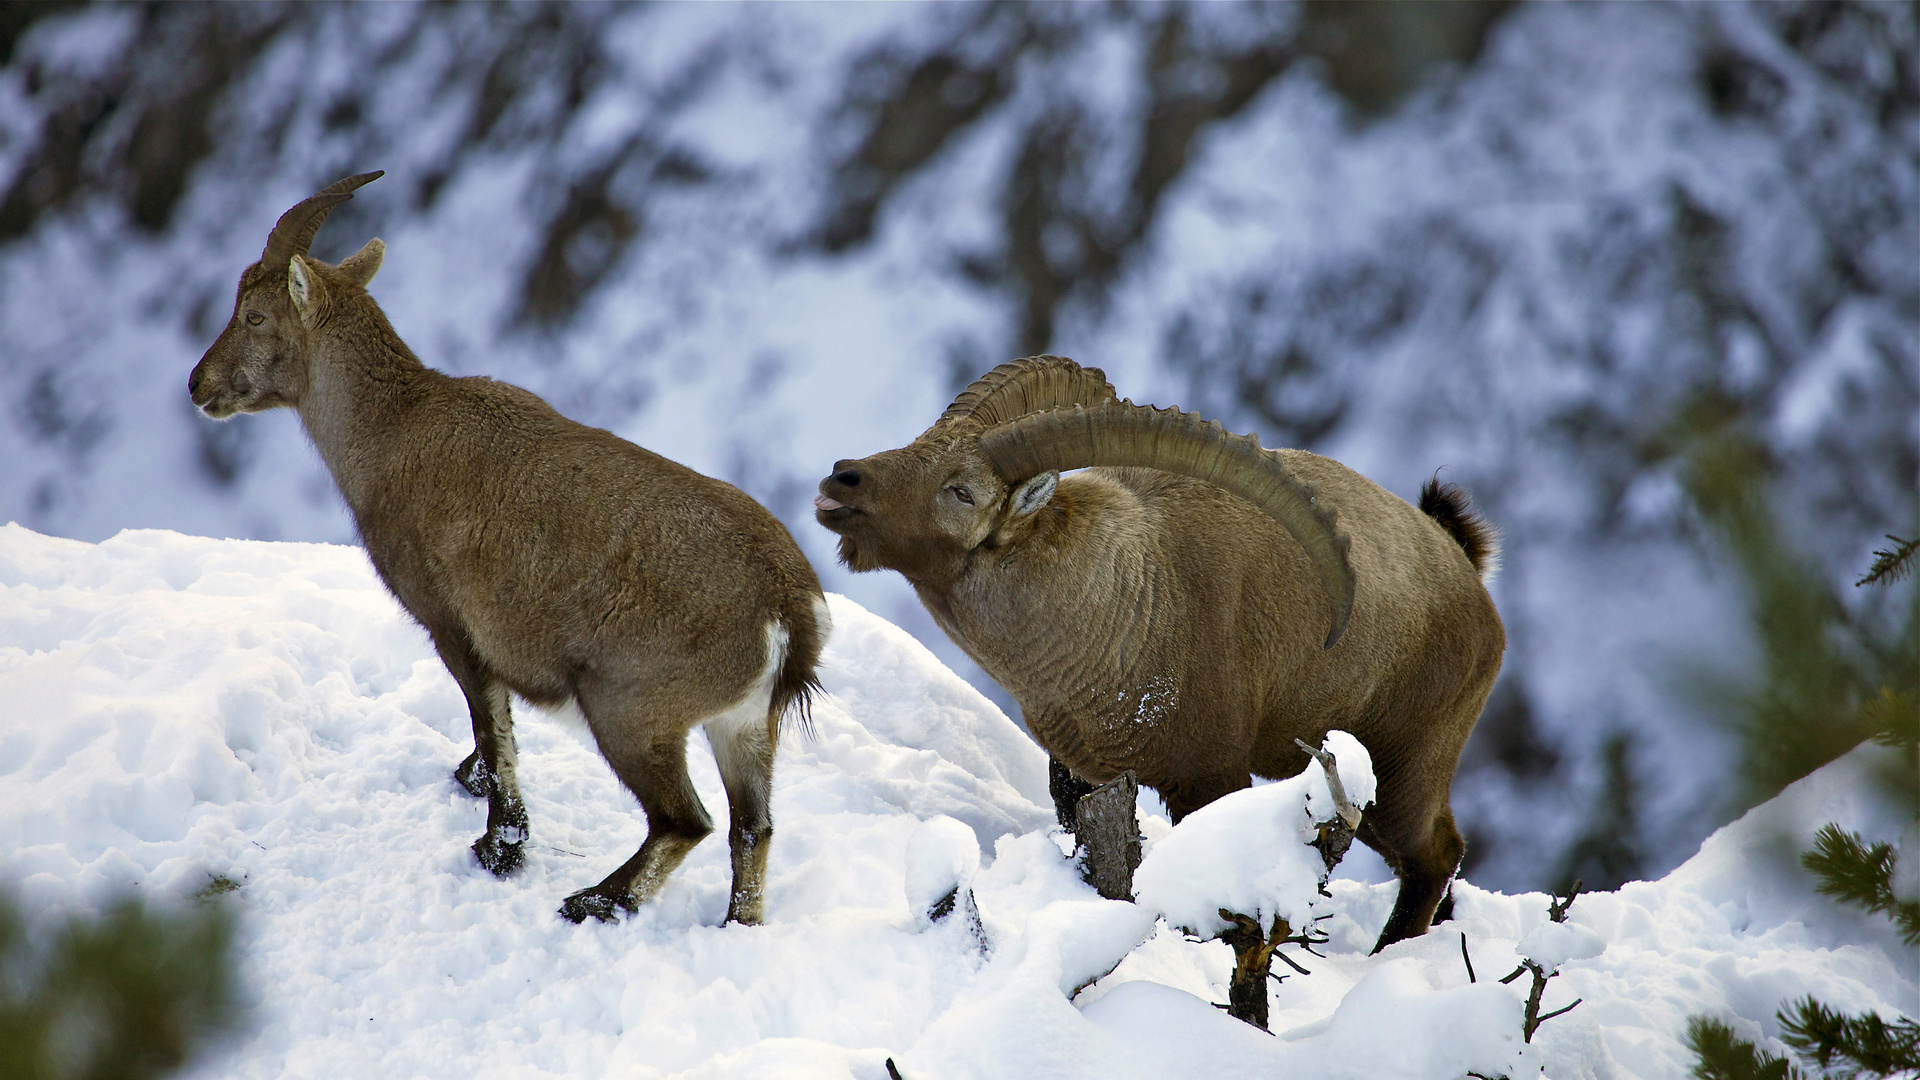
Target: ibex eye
column 254, row 318
column 962, row 494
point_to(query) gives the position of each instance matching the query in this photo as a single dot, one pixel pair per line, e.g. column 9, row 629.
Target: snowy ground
column 175, row 708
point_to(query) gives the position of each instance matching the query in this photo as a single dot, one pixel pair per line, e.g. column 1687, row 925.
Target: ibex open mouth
column 830, row 512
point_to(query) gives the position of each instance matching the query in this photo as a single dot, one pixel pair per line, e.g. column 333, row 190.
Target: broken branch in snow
column 1335, row 836
column 1533, row 1017
column 1349, row 813
column 1253, row 956
column 1557, row 910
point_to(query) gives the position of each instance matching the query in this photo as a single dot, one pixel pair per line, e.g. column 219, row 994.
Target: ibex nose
column 846, row 473
column 193, row 384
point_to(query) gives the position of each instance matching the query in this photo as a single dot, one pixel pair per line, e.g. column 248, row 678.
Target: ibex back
column 543, row 557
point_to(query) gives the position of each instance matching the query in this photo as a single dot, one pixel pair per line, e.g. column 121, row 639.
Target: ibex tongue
column 821, row 502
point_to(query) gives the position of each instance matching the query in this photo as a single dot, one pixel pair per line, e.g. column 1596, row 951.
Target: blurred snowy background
column 1543, row 247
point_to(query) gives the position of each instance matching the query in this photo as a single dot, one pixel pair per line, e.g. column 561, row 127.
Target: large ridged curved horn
column 1028, row 385
column 1122, row 433
column 293, row 233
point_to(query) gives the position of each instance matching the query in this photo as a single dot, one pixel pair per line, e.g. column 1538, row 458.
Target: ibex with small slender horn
column 543, row 557
column 1191, row 604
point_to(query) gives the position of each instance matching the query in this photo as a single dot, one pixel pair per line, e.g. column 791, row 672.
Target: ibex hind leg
column 1067, row 790
column 1425, row 866
column 491, row 772
column 743, row 740
column 655, row 770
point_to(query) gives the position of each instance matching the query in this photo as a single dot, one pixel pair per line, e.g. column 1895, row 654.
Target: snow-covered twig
column 1557, row 913
column 1335, row 835
column 1557, row 910
column 1348, row 812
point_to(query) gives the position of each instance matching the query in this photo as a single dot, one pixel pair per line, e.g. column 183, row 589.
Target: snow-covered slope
column 175, row 708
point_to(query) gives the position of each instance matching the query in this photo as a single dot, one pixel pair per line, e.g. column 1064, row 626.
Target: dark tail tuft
column 1449, row 505
column 797, row 682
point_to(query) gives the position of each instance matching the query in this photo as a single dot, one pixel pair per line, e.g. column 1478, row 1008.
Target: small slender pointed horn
column 1028, row 385
column 1122, row 433
column 293, row 233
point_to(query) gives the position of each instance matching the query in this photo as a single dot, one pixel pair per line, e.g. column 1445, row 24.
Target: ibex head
column 922, row 509
column 260, row 360
column 980, row 476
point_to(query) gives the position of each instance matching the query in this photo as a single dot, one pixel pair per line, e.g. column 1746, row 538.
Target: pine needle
column 1725, row 1056
column 1862, row 1044
column 1854, row 873
column 1892, row 565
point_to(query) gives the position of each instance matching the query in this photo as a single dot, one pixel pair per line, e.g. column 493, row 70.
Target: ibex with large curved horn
column 543, row 557
column 1191, row 604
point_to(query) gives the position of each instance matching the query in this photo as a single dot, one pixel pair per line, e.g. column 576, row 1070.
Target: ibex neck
column 1009, row 619
column 361, row 379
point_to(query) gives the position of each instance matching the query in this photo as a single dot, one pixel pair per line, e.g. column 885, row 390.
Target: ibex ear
column 305, row 288
column 363, row 264
column 1033, row 494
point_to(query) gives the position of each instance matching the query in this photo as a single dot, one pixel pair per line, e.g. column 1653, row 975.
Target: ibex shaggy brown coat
column 543, row 557
column 1193, row 604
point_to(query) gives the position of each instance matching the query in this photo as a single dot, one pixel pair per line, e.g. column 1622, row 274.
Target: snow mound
column 942, row 859
column 178, row 709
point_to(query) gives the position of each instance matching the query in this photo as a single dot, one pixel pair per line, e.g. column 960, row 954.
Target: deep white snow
column 174, row 708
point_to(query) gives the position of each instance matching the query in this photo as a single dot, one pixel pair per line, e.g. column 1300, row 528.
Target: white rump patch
column 822, row 620
column 567, row 714
column 748, row 716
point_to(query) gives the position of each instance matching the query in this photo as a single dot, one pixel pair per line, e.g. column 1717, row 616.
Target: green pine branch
column 1891, row 565
column 145, row 987
column 1854, row 1045
column 1854, row 873
column 1825, row 666
column 1725, row 1056
column 1894, row 719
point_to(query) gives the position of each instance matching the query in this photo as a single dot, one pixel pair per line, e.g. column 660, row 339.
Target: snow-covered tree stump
column 1109, row 830
column 1249, row 868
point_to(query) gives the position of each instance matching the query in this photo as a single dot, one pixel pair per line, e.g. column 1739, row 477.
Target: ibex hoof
column 474, row 777
column 577, row 907
column 746, row 915
column 501, row 859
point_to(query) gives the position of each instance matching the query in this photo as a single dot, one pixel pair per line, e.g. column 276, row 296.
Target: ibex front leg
column 490, row 772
